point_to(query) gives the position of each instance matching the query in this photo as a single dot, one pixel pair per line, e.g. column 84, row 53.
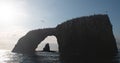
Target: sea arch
column 28, row 43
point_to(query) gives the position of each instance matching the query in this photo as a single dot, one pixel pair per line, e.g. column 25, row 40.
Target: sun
column 8, row 13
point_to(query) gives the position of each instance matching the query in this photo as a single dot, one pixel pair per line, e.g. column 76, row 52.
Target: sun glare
column 9, row 13
column 6, row 12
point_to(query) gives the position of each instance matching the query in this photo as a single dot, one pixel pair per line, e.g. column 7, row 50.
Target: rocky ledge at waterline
column 85, row 39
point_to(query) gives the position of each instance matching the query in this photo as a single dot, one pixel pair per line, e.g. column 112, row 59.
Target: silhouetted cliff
column 28, row 43
column 86, row 39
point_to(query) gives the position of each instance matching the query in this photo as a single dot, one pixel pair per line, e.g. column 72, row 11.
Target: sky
column 17, row 17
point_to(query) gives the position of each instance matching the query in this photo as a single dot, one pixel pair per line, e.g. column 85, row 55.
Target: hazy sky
column 17, row 17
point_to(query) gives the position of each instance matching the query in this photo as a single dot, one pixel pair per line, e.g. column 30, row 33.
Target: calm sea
column 41, row 57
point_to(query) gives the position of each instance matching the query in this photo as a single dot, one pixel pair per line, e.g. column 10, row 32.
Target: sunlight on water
column 3, row 55
column 7, row 56
column 40, row 57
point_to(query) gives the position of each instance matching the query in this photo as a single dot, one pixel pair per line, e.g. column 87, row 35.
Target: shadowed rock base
column 87, row 39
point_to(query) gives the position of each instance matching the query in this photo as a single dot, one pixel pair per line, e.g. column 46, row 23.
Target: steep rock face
column 88, row 38
column 28, row 43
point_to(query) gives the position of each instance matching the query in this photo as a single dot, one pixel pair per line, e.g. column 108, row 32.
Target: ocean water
column 40, row 57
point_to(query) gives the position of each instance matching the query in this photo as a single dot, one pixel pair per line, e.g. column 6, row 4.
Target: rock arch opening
column 52, row 40
column 28, row 43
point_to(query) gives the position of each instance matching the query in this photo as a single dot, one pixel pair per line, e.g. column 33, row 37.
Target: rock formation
column 85, row 39
column 28, row 43
column 46, row 48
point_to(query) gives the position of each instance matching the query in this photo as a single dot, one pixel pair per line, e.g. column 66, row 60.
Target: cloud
column 43, row 21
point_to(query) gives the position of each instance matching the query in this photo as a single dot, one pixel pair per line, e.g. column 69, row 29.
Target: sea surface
column 40, row 57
